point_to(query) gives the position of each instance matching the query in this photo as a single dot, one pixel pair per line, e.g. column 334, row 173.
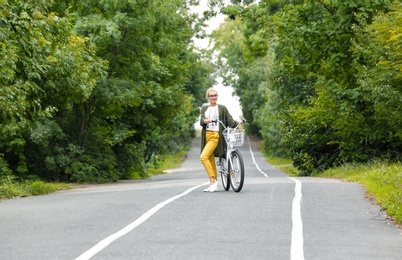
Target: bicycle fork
column 230, row 162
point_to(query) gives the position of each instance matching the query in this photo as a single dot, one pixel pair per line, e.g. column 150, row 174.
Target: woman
column 211, row 144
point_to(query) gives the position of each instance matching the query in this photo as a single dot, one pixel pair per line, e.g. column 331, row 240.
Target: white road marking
column 252, row 156
column 296, row 250
column 107, row 241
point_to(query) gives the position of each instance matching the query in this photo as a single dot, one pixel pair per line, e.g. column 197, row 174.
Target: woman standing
column 211, row 144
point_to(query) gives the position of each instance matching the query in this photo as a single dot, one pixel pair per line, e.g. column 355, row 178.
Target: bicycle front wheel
column 236, row 170
column 224, row 174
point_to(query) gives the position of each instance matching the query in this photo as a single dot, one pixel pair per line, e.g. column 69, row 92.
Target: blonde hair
column 210, row 90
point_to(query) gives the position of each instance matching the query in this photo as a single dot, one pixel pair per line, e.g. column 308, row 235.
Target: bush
column 9, row 188
column 39, row 187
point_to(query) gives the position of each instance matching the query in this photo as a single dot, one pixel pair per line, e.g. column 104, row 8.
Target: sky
column 225, row 95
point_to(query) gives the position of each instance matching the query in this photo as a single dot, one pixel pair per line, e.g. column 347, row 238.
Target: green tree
column 243, row 76
column 44, row 69
column 328, row 124
column 148, row 103
column 313, row 94
column 138, row 106
column 93, row 90
column 378, row 53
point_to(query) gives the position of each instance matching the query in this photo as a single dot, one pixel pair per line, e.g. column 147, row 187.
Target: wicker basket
column 234, row 136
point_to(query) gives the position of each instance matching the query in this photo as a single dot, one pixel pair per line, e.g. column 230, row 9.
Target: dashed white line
column 107, row 241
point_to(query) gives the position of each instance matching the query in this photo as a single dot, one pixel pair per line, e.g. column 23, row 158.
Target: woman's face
column 213, row 97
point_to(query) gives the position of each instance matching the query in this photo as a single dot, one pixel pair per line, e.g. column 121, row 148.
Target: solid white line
column 105, row 242
column 297, row 251
column 297, row 244
column 252, row 156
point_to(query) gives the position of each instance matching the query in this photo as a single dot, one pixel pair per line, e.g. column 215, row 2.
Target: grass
column 285, row 165
column 10, row 187
column 166, row 162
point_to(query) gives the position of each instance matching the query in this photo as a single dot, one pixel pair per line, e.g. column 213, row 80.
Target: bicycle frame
column 229, row 149
column 232, row 173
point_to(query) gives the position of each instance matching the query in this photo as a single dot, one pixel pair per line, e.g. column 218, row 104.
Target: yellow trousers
column 207, row 156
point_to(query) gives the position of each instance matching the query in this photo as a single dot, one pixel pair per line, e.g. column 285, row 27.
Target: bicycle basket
column 234, row 136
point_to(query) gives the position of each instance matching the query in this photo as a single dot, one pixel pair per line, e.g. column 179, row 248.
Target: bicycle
column 231, row 166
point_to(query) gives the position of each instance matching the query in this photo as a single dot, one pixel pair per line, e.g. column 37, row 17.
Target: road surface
column 170, row 217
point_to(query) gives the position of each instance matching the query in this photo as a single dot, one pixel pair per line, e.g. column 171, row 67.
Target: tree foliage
column 91, row 90
column 45, row 69
column 245, row 78
column 332, row 90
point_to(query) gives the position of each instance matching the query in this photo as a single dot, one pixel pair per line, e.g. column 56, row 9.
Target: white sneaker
column 207, row 189
column 213, row 187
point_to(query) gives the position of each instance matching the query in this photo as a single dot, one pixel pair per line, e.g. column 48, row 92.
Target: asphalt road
column 170, row 217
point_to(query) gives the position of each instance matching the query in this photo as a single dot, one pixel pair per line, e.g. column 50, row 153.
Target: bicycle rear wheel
column 236, row 169
column 224, row 174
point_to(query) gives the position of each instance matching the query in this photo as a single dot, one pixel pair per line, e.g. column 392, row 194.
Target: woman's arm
column 202, row 117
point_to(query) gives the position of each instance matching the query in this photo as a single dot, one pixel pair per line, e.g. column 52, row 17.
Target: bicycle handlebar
column 243, row 121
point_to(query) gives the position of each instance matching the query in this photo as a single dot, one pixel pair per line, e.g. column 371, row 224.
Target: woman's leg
column 207, row 156
column 214, row 176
